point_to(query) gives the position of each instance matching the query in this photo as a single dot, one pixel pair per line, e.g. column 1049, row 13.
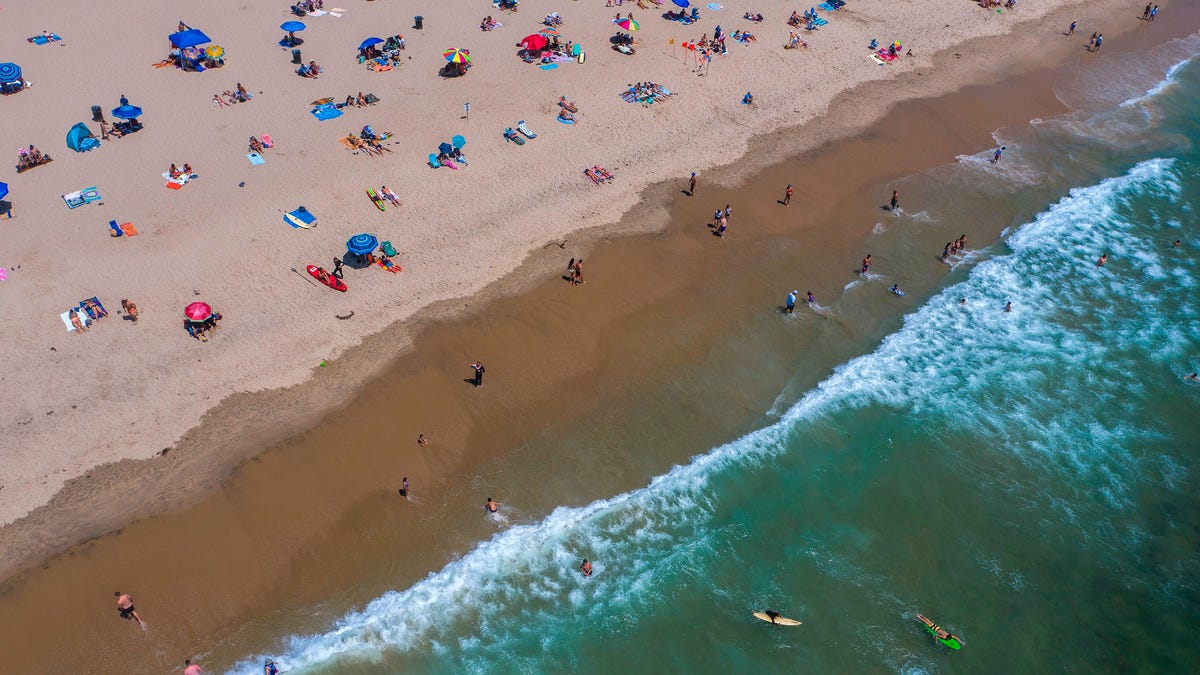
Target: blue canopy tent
column 370, row 42
column 81, row 139
column 3, row 190
column 189, row 38
column 127, row 112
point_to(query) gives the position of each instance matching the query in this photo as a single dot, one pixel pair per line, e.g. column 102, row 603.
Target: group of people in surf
column 954, row 248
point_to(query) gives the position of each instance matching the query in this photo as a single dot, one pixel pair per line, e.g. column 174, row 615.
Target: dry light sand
column 74, row 401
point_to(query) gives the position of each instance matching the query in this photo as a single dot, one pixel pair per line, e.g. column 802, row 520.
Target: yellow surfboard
column 779, row 620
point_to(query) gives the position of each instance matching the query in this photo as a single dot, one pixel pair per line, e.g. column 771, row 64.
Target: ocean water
column 1026, row 478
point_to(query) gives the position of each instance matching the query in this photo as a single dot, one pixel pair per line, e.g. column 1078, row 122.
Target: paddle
column 308, row 279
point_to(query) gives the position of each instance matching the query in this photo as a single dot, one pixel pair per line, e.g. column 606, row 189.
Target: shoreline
column 329, row 464
column 90, row 505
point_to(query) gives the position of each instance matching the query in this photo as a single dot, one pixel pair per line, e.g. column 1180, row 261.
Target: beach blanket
column 548, row 66
column 42, row 39
column 81, row 197
column 266, row 141
column 827, row 7
column 326, row 111
column 885, row 56
column 180, row 181
column 255, row 158
column 818, row 21
column 86, row 318
column 129, row 230
column 301, row 217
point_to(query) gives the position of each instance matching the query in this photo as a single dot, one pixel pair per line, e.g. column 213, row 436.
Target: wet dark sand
column 315, row 521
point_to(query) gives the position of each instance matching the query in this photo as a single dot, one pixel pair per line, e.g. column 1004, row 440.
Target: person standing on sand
column 479, row 371
column 692, row 185
column 1099, row 39
column 1071, row 30
column 337, row 268
column 131, row 310
column 728, row 212
column 787, row 195
column 895, row 200
column 1154, row 13
column 190, row 668
column 125, row 607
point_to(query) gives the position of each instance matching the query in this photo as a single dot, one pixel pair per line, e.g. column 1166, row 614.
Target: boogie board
column 779, row 620
column 897, row 291
column 330, row 281
column 582, row 56
column 376, row 199
column 951, row 642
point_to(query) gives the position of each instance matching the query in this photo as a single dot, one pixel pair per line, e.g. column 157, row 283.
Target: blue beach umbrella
column 9, row 72
column 370, row 42
column 445, row 148
column 459, row 142
column 292, row 26
column 3, row 189
column 127, row 112
column 682, row 3
column 362, row 244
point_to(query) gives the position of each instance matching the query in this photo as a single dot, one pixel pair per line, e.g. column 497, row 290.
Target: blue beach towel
column 826, row 6
column 326, row 112
column 299, row 218
column 562, row 121
column 548, row 66
column 819, row 21
column 42, row 39
column 255, row 158
column 116, row 229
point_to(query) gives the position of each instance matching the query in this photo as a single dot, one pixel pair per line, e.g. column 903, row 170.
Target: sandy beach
column 124, row 391
column 145, row 388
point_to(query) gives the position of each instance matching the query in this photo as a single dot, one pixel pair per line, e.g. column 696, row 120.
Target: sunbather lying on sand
column 567, row 105
column 131, row 310
column 76, row 322
column 389, row 195
column 603, row 173
column 386, row 263
column 566, row 115
column 256, row 145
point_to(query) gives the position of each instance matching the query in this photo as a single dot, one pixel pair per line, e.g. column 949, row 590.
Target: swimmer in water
column 896, row 289
column 962, row 301
column 586, row 568
column 1175, row 244
column 1194, row 377
column 866, row 264
column 492, row 505
column 791, row 302
column 1008, row 306
column 1103, row 259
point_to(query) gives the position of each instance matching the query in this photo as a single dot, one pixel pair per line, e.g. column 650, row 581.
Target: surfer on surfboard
column 941, row 634
column 773, row 617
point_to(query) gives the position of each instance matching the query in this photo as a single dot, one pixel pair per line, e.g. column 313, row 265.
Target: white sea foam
column 527, row 573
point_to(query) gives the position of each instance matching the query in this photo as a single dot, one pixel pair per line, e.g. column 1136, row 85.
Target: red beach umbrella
column 198, row 311
column 534, row 42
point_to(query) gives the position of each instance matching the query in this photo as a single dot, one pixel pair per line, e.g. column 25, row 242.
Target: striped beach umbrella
column 628, row 24
column 362, row 244
column 9, row 72
column 457, row 55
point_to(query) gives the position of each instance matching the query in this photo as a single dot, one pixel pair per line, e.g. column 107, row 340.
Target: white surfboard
column 779, row 620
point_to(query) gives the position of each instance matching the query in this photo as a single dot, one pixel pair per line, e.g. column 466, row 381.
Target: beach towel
column 562, row 121
column 318, row 12
column 116, row 229
column 90, row 195
column 129, row 229
column 180, row 181
column 548, row 66
column 66, row 318
column 266, row 141
column 73, row 199
column 255, row 158
column 326, row 112
column 827, row 7
column 301, row 217
column 818, row 21
column 42, row 39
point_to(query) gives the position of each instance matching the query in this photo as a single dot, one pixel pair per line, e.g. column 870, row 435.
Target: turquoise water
column 1026, row 478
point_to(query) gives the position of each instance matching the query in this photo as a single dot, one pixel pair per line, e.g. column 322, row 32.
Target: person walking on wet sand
column 125, row 607
column 190, row 668
column 1096, row 44
column 692, row 185
column 577, row 273
column 479, row 371
column 1146, row 12
column 895, row 200
column 404, row 488
column 1071, row 30
column 787, row 195
column 866, row 265
column 999, row 152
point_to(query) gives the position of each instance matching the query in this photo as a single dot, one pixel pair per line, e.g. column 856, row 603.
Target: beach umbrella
column 458, row 141
column 445, row 148
column 3, row 189
column 9, row 72
column 457, row 55
column 370, row 42
column 215, row 52
column 534, row 42
column 362, row 244
column 127, row 112
column 628, row 24
column 198, row 311
column 682, row 3
column 292, row 26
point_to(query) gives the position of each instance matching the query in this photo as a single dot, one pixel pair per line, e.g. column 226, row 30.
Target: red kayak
column 329, row 280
